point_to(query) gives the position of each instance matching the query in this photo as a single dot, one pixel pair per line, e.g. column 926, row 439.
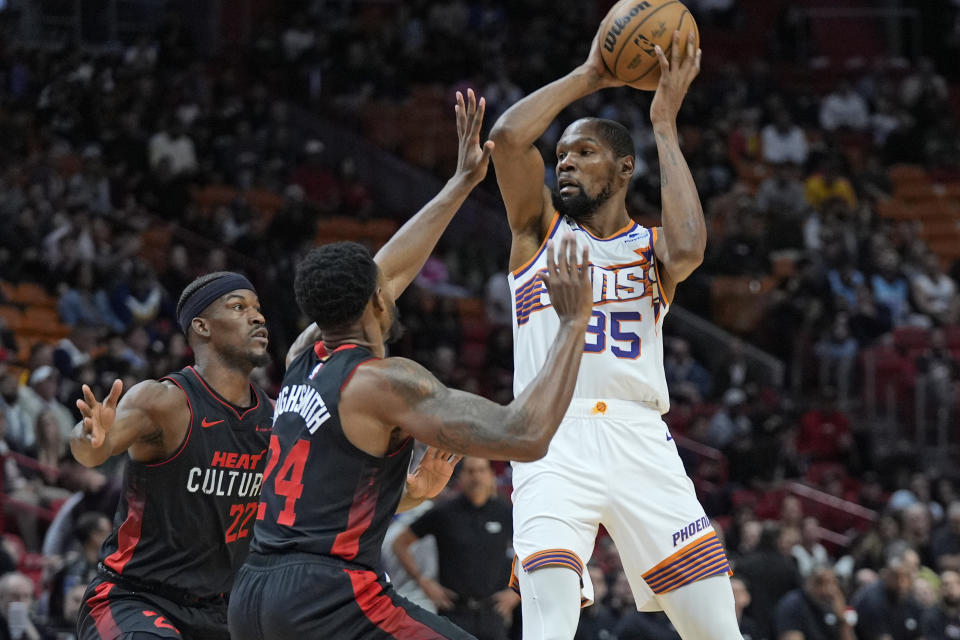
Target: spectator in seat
column 687, row 379
column 886, row 609
column 80, row 567
column 837, row 352
column 934, row 292
column 829, row 183
column 18, row 619
column 818, row 611
column 844, row 108
column 173, row 143
column 39, row 396
column 83, row 303
column 783, row 141
column 771, row 572
column 809, row 553
column 942, row 621
column 741, row 600
column 945, row 541
column 890, row 288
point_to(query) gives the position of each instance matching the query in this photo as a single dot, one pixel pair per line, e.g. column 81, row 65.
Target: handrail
column 30, row 463
column 832, row 501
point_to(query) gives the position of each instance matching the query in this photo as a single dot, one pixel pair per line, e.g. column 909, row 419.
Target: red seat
column 906, row 338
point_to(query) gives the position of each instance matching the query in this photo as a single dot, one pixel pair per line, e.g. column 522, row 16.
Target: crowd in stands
column 810, row 206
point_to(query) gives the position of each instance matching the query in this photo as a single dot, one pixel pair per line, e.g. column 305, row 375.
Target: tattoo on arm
column 663, row 176
column 669, row 147
column 465, row 421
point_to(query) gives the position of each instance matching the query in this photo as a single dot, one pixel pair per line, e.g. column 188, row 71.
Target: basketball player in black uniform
column 343, row 437
column 197, row 442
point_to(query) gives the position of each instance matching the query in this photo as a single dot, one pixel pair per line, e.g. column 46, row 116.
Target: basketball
column 630, row 31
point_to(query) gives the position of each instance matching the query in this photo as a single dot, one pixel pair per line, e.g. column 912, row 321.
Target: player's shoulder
column 155, row 393
column 395, row 374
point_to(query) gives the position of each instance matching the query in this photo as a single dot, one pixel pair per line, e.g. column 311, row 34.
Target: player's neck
column 354, row 335
column 231, row 383
column 607, row 220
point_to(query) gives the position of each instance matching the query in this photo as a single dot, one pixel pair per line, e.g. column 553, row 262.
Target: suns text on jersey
column 614, row 283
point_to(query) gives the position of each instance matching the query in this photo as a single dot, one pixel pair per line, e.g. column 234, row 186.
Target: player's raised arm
column 401, row 259
column 681, row 245
column 519, row 165
column 410, row 397
column 150, row 420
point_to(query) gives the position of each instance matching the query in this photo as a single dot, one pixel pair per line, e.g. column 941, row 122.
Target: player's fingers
column 584, row 264
column 696, row 61
column 84, row 408
column 675, row 51
column 690, row 50
column 477, row 120
column 572, row 255
column 551, row 262
column 115, row 391
column 486, row 152
column 662, row 59
column 454, row 459
column 460, row 110
column 88, row 396
column 471, row 102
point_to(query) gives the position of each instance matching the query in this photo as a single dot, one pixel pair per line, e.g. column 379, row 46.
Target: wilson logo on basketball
column 610, row 40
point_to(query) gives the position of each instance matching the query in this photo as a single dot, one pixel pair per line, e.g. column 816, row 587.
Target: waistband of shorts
column 601, row 408
column 269, row 560
column 174, row 594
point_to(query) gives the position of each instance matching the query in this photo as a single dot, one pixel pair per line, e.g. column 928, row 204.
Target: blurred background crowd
column 813, row 360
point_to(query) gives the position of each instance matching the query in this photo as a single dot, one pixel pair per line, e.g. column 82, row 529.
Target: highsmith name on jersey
column 623, row 350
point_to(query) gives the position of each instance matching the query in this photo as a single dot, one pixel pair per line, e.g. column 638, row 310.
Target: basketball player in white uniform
column 613, row 460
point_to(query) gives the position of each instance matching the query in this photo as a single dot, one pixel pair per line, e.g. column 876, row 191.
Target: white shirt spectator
column 781, row 145
column 844, row 108
column 178, row 148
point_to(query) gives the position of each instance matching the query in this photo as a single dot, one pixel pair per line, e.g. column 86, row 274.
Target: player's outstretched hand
column 432, row 474
column 568, row 280
column 98, row 416
column 472, row 158
column 675, row 78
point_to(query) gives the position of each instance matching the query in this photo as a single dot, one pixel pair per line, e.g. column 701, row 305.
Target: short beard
column 580, row 207
column 244, row 360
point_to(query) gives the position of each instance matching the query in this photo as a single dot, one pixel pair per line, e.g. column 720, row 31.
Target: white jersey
column 623, row 350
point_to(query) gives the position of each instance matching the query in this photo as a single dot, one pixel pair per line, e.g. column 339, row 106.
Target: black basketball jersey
column 185, row 522
column 321, row 494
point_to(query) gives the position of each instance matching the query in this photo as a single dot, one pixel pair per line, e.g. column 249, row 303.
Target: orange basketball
column 631, row 30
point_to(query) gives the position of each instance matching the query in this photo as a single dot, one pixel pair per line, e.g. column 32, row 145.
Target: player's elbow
column 506, row 137
column 530, row 450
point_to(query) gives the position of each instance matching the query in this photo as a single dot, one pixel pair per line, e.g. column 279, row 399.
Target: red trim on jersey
column 216, row 397
column 382, row 611
column 129, row 534
column 320, row 350
column 99, row 604
column 347, row 543
column 403, row 445
column 354, row 370
column 186, row 438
